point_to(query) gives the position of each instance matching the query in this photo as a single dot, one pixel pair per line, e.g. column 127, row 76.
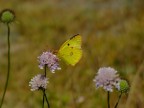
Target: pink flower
column 107, row 78
column 38, row 82
column 50, row 60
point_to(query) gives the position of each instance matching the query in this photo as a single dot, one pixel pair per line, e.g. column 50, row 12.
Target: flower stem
column 118, row 100
column 108, row 99
column 44, row 89
column 8, row 71
column 46, row 99
column 44, row 94
column 45, row 67
column 43, row 102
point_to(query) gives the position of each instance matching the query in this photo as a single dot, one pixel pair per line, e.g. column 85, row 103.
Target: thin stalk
column 45, row 67
column 43, row 102
column 8, row 71
column 108, row 99
column 46, row 99
column 118, row 100
column 44, row 89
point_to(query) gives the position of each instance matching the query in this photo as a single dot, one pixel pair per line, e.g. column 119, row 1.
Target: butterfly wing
column 71, row 51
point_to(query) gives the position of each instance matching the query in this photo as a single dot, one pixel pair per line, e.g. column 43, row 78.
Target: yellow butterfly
column 71, row 51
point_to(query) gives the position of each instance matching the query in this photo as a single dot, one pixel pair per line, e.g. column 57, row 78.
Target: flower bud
column 123, row 86
column 7, row 16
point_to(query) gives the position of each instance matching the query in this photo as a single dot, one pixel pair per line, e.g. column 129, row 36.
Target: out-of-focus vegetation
column 113, row 35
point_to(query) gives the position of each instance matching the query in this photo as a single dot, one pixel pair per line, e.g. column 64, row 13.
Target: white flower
column 107, row 78
column 49, row 59
column 38, row 82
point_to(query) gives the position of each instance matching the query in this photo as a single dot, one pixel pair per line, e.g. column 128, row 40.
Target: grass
column 112, row 36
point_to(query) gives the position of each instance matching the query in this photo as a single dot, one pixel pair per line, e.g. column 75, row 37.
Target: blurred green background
column 113, row 35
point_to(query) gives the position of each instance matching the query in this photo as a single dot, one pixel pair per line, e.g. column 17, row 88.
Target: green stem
column 45, row 67
column 46, row 99
column 43, row 101
column 8, row 71
column 44, row 89
column 118, row 100
column 108, row 99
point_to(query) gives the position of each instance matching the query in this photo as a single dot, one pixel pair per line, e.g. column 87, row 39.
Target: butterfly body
column 71, row 51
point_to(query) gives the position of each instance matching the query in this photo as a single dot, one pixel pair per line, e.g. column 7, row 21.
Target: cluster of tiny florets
column 107, row 78
column 50, row 60
column 38, row 82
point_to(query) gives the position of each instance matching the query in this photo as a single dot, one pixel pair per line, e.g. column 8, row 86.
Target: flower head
column 107, row 78
column 7, row 16
column 49, row 59
column 123, row 86
column 38, row 82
